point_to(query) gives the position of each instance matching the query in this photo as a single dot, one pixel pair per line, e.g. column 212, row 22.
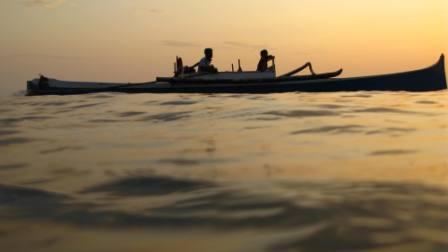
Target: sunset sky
column 136, row 40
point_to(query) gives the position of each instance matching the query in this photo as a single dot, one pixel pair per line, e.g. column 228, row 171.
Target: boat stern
column 442, row 70
column 35, row 86
column 32, row 86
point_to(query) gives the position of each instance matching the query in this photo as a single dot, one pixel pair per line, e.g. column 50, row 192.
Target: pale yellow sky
column 123, row 40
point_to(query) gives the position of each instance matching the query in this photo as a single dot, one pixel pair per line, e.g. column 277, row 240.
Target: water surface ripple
column 364, row 171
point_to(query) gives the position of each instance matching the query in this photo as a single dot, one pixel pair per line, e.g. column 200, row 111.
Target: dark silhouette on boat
column 264, row 60
column 428, row 79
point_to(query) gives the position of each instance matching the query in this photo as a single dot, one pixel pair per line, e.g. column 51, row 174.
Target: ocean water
column 364, row 171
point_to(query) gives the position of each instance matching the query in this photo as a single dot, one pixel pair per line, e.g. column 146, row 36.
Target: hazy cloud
column 44, row 3
column 244, row 45
column 154, row 11
column 24, row 56
column 177, row 43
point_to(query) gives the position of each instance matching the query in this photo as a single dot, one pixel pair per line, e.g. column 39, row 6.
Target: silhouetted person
column 265, row 58
column 263, row 63
column 205, row 64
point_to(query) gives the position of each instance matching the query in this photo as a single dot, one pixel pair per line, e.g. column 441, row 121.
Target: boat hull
column 429, row 79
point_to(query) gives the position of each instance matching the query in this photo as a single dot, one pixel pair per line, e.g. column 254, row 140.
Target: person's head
column 208, row 53
column 264, row 53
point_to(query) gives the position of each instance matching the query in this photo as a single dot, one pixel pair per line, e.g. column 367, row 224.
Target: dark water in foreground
column 283, row 172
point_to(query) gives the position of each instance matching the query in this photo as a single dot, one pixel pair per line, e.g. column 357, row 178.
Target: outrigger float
column 427, row 79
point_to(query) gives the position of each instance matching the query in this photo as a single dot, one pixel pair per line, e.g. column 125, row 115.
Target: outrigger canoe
column 428, row 79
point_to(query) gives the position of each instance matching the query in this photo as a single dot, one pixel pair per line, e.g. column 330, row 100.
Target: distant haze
column 133, row 41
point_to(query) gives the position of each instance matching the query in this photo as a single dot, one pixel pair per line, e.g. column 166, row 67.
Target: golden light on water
column 338, row 171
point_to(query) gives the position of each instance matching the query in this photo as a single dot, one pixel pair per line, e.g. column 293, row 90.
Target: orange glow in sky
column 119, row 40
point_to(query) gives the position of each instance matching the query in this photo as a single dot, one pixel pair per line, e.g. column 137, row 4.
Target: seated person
column 265, row 58
column 205, row 64
column 263, row 63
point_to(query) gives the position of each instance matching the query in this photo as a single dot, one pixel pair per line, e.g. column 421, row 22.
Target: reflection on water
column 147, row 186
column 309, row 216
column 346, row 129
column 302, row 113
column 282, row 172
column 12, row 166
column 14, row 140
